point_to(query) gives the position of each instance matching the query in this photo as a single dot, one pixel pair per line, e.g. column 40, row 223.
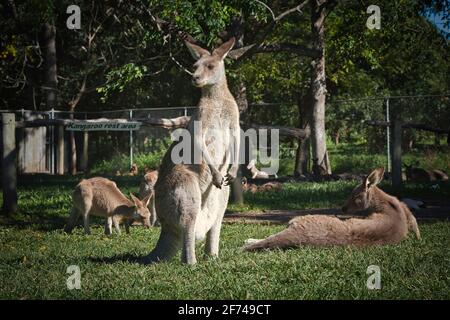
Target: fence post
column 9, row 170
column 397, row 153
column 131, row 141
column 52, row 143
column 388, row 137
column 60, row 151
column 85, row 153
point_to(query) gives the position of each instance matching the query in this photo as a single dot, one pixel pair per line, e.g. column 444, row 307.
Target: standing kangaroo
column 389, row 222
column 101, row 197
column 191, row 198
column 147, row 189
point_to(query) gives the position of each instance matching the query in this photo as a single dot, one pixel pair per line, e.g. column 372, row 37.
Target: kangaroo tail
column 284, row 239
column 412, row 225
column 412, row 222
column 167, row 246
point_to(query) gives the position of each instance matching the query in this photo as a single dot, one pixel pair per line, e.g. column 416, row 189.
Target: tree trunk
column 302, row 154
column 241, row 100
column 50, row 70
column 236, row 29
column 85, row 153
column 318, row 89
column 73, row 152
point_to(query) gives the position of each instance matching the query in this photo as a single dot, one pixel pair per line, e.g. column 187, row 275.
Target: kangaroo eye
column 210, row 66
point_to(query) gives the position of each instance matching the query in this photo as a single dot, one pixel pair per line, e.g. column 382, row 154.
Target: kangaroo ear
column 223, row 50
column 196, row 51
column 135, row 199
column 146, row 200
column 374, row 178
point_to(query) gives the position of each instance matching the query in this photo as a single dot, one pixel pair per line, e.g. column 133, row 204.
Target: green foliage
column 117, row 79
column 128, row 62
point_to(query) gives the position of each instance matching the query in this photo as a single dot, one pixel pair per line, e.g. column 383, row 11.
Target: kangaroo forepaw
column 229, row 178
column 218, row 180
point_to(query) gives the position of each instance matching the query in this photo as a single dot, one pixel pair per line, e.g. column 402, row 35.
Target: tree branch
column 289, row 47
column 284, row 131
column 251, row 49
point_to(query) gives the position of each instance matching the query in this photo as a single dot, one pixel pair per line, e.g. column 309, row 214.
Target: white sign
column 103, row 126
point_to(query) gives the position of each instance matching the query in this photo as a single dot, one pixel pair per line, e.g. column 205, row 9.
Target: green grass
column 34, row 263
column 35, row 255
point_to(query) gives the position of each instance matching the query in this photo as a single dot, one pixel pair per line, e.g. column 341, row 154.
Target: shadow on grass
column 44, row 222
column 129, row 258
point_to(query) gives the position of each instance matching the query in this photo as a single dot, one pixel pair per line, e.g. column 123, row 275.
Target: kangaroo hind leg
column 74, row 215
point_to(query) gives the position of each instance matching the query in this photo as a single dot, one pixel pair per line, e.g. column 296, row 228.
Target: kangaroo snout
column 196, row 80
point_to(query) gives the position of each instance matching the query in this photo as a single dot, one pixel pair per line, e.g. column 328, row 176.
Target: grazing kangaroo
column 147, row 188
column 101, row 197
column 389, row 222
column 191, row 198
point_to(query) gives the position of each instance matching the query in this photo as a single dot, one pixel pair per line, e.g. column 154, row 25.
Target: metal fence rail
column 144, row 140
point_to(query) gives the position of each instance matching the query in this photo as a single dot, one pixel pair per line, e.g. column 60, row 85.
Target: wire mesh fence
column 353, row 143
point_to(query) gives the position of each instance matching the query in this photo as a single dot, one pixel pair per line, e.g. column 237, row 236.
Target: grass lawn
column 35, row 254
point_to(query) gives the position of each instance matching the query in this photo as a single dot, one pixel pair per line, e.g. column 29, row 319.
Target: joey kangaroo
column 389, row 222
column 101, row 197
column 191, row 199
column 147, row 188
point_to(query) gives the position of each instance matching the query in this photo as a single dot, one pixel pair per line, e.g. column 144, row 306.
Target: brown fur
column 134, row 170
column 440, row 175
column 147, row 188
column 268, row 186
column 191, row 199
column 101, row 197
column 388, row 223
column 414, row 174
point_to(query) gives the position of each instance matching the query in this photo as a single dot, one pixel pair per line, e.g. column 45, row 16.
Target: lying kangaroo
column 440, row 175
column 147, row 188
column 101, row 197
column 191, row 198
column 415, row 174
column 389, row 222
column 268, row 186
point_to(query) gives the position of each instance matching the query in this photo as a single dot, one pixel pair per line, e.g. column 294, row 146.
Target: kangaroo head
column 209, row 69
column 141, row 212
column 361, row 197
